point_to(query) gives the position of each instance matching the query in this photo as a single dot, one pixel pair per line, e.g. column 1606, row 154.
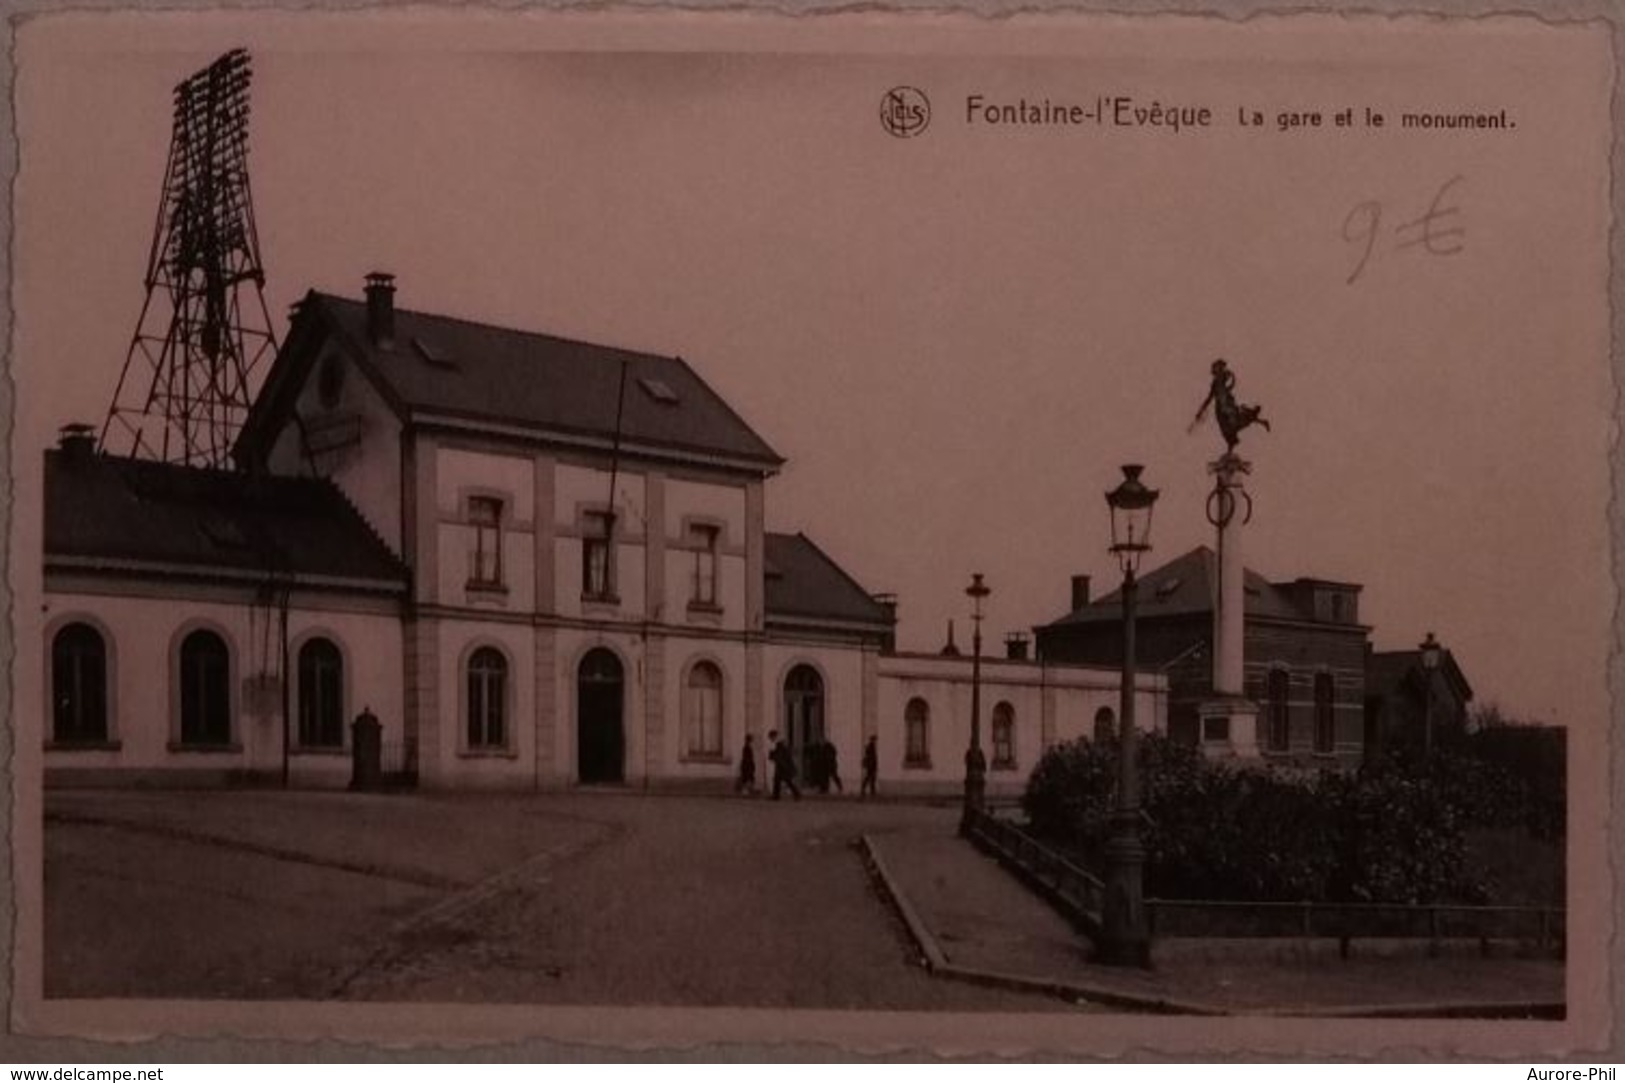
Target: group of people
column 822, row 767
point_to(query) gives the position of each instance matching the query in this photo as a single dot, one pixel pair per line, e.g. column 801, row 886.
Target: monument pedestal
column 1229, row 727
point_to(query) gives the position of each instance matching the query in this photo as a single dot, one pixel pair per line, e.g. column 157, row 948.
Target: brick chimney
column 381, row 310
column 888, row 602
column 1080, row 591
column 77, row 441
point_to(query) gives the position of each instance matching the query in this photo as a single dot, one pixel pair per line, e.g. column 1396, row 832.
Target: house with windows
column 1304, row 655
column 537, row 562
column 1405, row 697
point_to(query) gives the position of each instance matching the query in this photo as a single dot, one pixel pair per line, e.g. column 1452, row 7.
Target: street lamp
column 975, row 762
column 1127, row 937
column 1431, row 655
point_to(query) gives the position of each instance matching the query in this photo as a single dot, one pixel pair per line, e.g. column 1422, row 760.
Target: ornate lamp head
column 1131, row 505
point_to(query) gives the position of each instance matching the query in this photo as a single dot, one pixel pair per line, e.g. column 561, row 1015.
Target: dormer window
column 485, row 516
column 658, row 390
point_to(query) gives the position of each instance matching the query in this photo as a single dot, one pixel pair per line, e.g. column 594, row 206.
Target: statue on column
column 1231, row 415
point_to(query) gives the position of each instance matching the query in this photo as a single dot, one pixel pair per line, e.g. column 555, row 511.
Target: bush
column 1218, row 831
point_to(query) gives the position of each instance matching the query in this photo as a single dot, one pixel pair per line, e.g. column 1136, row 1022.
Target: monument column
column 1229, row 720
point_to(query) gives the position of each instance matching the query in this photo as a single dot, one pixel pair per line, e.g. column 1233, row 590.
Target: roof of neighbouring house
column 1386, row 672
column 802, row 581
column 123, row 512
column 449, row 367
column 1185, row 586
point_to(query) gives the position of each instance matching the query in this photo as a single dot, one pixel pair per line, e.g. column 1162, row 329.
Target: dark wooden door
column 600, row 733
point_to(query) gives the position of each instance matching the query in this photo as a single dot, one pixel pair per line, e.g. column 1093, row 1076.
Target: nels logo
column 905, row 112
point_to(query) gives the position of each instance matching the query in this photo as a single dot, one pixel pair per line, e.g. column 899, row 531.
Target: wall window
column 1278, row 733
column 321, row 695
column 485, row 516
column 487, row 699
column 598, row 556
column 78, row 686
column 205, row 676
column 1325, row 720
column 702, row 710
column 1105, row 724
column 705, row 539
column 917, row 734
column 1004, row 736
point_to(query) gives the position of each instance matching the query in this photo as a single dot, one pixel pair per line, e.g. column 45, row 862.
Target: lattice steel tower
column 184, row 392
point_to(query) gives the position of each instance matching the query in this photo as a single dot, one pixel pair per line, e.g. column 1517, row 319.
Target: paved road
column 578, row 898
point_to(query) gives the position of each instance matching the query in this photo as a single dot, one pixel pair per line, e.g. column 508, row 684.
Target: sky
column 954, row 338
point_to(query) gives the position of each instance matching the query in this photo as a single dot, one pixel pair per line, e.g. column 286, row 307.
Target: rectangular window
column 597, row 556
column 1325, row 720
column 1279, row 734
column 485, row 516
column 705, row 565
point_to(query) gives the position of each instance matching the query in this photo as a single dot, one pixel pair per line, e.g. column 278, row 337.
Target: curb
column 938, row 964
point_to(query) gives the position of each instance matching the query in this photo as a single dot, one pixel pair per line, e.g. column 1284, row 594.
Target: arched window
column 1325, row 720
column 321, row 695
column 1279, row 731
column 78, row 686
column 205, row 675
column 1105, row 724
column 702, row 710
column 917, row 734
column 487, row 699
column 1004, row 735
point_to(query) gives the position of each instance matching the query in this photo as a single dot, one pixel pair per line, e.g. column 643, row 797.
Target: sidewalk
column 975, row 921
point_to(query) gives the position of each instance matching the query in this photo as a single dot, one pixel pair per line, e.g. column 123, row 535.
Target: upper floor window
column 706, row 539
column 205, row 692
column 917, row 733
column 598, row 556
column 485, row 516
column 1278, row 733
column 1325, row 720
column 321, row 695
column 78, row 685
column 1004, row 735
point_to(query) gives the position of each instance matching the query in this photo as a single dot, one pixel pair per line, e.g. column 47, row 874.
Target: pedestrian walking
column 871, row 765
column 832, row 768
column 747, row 767
column 784, row 767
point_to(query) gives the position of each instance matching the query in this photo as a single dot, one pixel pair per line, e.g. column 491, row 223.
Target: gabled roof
column 1386, row 672
column 446, row 367
column 802, row 581
column 1186, row 586
column 117, row 512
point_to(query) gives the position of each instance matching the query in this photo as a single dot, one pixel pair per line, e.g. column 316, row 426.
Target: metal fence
column 399, row 762
column 1080, row 896
column 1543, row 927
column 1069, row 887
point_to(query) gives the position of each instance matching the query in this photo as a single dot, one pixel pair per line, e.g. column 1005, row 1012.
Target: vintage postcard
column 1071, row 534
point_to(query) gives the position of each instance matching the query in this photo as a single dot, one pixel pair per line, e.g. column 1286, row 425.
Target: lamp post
column 1127, row 937
column 975, row 762
column 1432, row 652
